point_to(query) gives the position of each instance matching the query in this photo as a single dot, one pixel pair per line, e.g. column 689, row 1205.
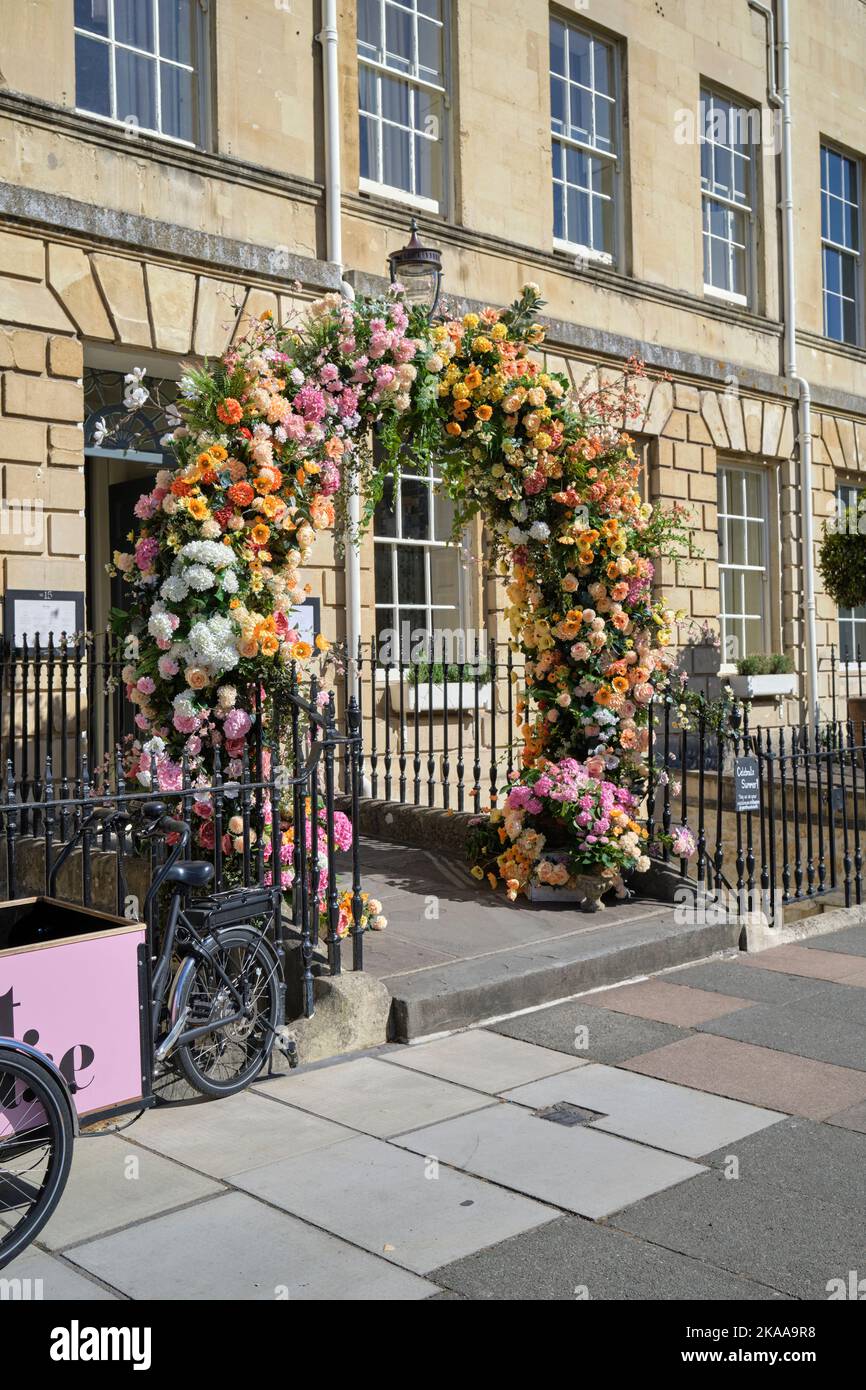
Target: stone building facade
column 162, row 178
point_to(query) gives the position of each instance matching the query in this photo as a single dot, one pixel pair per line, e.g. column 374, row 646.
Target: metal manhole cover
column 564, row 1113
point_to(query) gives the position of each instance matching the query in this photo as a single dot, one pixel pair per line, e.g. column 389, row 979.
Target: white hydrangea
column 199, row 577
column 516, row 536
column 174, row 589
column 213, row 643
column 160, row 624
column 539, row 531
column 208, row 553
column 230, row 582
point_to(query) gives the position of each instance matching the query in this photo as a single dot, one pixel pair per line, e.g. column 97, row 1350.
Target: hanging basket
column 842, row 563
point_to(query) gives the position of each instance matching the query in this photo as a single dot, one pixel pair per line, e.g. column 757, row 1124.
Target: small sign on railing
column 747, row 790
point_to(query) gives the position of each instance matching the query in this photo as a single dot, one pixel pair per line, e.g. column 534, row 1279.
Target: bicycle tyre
column 55, row 1137
column 243, row 1048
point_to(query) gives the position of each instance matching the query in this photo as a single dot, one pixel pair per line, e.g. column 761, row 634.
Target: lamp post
column 418, row 269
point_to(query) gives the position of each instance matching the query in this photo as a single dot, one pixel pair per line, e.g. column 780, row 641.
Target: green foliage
column 777, row 664
column 842, row 561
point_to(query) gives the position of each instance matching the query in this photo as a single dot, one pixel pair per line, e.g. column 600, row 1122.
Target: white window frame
column 828, row 244
column 847, row 494
column 591, row 149
column 709, row 194
column 398, row 541
column 415, row 82
column 725, row 566
column 199, row 69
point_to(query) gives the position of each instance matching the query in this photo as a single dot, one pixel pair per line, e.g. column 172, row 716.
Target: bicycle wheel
column 36, row 1138
column 229, row 1057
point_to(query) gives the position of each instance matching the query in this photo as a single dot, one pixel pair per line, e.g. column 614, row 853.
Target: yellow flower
column 270, row 645
column 499, row 331
column 482, row 344
column 470, row 320
column 261, row 533
column 197, row 508
column 302, row 651
column 477, row 871
column 322, row 643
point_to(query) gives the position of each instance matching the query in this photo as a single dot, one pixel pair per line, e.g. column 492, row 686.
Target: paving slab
column 674, row 1003
column 733, row 977
column 45, row 1278
column 374, row 1097
column 112, row 1183
column 242, row 1250
column 575, row 1167
column 851, row 941
column 484, row 1060
column 811, row 962
column 808, row 1160
column 853, row 1118
column 579, row 1027
column 223, row 1137
column 757, row 1075
column 395, row 1203
column 653, row 1112
column 798, row 1030
column 754, row 1230
column 561, row 1260
column 844, row 1003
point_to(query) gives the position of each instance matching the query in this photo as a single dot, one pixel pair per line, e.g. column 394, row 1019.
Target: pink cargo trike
column 89, row 1006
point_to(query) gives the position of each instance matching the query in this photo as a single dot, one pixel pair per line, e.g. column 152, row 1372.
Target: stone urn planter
column 584, row 889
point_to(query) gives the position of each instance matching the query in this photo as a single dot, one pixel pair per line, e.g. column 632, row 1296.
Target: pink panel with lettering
column 78, row 1002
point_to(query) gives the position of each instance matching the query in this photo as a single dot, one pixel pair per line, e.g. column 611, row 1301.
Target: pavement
column 700, row 1134
column 454, row 955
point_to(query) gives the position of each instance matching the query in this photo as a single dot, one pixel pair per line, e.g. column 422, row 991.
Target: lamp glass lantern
column 418, row 269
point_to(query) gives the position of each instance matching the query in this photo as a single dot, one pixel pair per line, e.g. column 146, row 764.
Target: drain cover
column 564, row 1113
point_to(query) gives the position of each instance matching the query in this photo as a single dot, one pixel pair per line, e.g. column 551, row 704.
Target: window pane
column 580, row 113
column 410, row 574
column 133, row 23
column 175, row 30
column 430, row 50
column 736, row 543
column 428, row 164
column 398, row 37
column 604, row 123
column 833, row 318
column 603, row 69
column 557, row 102
column 92, row 83
column 754, row 493
column 579, row 57
column 136, row 87
column 579, row 230
column 849, row 321
column 385, row 517
column 368, row 149
column 755, row 637
column 178, row 112
column 557, row 47
column 368, row 24
column 419, row 646
column 428, row 112
column 396, row 158
column 416, row 509
column 395, row 100
column 848, row 267
column 602, row 225
column 753, row 593
column 559, row 228
column 384, row 574
column 92, row 15
column 836, row 222
column 431, row 8
column 719, row 264
column 366, row 88
column 443, row 518
column 576, row 167
column 444, row 579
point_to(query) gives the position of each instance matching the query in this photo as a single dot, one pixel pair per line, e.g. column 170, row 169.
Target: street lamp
column 419, row 270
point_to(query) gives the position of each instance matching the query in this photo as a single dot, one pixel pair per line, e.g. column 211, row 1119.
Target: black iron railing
column 800, row 838
column 288, row 778
column 439, row 733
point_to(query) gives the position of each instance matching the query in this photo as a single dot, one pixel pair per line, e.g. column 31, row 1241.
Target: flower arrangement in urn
column 563, row 825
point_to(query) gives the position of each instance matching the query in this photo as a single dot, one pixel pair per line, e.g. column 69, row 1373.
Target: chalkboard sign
column 747, row 784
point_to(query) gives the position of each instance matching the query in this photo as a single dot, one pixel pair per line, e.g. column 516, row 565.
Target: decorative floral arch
column 267, row 441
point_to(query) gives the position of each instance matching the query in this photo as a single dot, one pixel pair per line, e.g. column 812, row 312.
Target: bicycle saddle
column 194, row 873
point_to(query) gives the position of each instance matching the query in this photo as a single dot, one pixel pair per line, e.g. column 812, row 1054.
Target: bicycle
column 38, row 1125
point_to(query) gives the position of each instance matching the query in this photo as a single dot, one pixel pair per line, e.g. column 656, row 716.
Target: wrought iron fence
column 288, row 774
column 438, row 734
column 801, row 838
